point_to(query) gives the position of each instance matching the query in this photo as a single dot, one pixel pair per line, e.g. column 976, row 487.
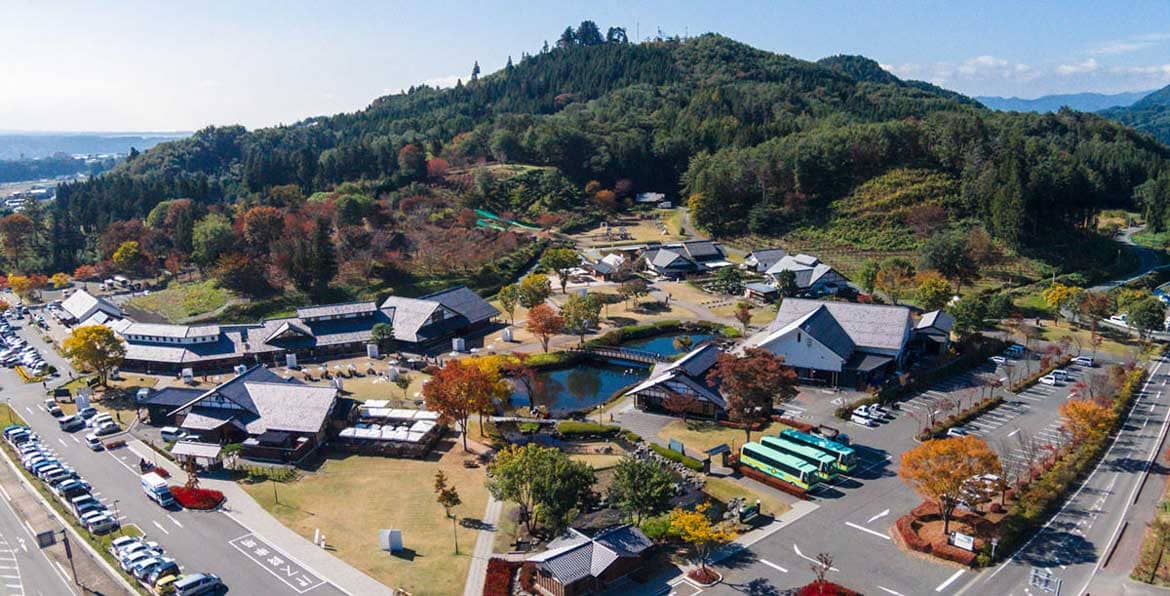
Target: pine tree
column 324, row 259
column 475, row 71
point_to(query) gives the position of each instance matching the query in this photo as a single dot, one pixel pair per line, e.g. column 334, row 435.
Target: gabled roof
column 936, row 320
column 576, row 556
column 235, row 389
column 687, row 375
column 465, row 302
column 765, row 257
column 872, row 326
column 664, row 258
column 702, row 249
column 268, row 402
column 412, row 316
column 81, row 304
column 820, row 325
column 288, row 328
column 174, row 331
column 807, row 269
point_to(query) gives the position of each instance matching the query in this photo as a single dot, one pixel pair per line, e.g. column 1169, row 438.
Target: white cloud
column 1133, row 43
column 1087, row 66
column 978, row 68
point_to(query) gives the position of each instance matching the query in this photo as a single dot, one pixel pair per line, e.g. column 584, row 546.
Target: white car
column 957, row 431
column 1048, row 380
column 862, row 419
column 998, row 360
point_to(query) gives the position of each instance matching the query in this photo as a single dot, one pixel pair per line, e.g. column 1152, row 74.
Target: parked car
column 197, row 583
column 1084, row 361
column 1048, row 380
column 998, row 360
column 87, row 412
column 71, row 423
column 957, row 431
column 862, row 419
column 108, row 428
column 93, row 442
column 172, row 433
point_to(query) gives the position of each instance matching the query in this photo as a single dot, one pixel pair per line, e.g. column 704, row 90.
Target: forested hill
column 759, row 141
column 1151, row 114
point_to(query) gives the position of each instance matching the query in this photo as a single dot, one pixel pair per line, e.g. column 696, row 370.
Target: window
column 798, row 337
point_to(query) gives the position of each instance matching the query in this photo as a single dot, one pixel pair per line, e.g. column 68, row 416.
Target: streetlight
column 117, row 518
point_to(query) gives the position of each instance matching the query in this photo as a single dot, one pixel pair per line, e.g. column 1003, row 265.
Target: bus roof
column 784, row 444
column 820, row 442
column 784, row 458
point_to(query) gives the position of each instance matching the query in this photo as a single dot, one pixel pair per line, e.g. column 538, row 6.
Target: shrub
column 574, row 428
column 631, row 436
column 528, row 577
column 197, row 498
column 498, row 581
column 231, row 448
column 954, row 553
column 264, row 474
column 825, row 588
column 658, row 527
column 685, row 460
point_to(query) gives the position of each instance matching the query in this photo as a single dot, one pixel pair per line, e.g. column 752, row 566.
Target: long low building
column 315, row 333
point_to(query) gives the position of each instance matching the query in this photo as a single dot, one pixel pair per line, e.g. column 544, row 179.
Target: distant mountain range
column 36, row 145
column 1083, row 102
column 1150, row 115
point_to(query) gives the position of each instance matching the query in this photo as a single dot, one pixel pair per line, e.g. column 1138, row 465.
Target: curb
column 79, row 538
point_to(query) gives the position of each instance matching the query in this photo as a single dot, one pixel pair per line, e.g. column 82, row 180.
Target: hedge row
column 905, row 527
column 951, row 552
column 685, row 460
column 1031, row 379
column 1043, row 496
column 574, row 428
column 203, row 499
column 961, row 418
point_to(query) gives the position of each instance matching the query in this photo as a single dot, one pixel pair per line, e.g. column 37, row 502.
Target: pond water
column 664, row 344
column 575, row 389
column 586, row 385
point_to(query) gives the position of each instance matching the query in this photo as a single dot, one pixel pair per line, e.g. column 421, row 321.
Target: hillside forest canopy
column 754, row 142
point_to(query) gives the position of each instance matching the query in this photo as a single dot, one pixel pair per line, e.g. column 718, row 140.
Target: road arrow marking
column 878, row 516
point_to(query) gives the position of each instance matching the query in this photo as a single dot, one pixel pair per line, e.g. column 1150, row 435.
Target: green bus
column 782, row 466
column 846, row 459
column 826, row 464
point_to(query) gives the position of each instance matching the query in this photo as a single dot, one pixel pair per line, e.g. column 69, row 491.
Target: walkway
column 242, row 508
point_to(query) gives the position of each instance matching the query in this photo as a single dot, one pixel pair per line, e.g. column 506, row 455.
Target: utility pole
column 69, row 555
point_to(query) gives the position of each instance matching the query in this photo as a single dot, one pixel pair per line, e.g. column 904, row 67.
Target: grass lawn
column 181, row 301
column 761, row 315
column 726, row 489
column 372, row 387
column 351, row 498
column 597, row 461
column 1153, row 567
column 700, row 435
column 1122, row 348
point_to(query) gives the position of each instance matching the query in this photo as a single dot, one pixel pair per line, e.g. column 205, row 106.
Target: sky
column 161, row 66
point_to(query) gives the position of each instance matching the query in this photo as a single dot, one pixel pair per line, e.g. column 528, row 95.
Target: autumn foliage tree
column 458, row 390
column 96, row 348
column 695, row 528
column 544, row 322
column 938, row 469
column 752, row 384
column 1086, row 419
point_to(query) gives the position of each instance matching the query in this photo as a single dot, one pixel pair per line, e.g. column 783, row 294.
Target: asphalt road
column 199, row 541
column 24, row 569
column 854, row 517
column 1070, row 549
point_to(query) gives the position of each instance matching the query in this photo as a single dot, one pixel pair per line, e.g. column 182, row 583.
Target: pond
column 664, row 344
column 575, row 389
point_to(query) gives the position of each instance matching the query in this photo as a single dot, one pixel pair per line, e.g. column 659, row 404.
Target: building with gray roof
column 684, row 381
column 81, row 306
column 838, row 342
column 577, row 563
column 812, row 277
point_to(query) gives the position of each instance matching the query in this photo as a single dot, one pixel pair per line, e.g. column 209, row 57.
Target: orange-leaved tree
column 458, row 389
column 544, row 322
column 1086, row 419
column 752, row 384
column 696, row 529
column 938, row 469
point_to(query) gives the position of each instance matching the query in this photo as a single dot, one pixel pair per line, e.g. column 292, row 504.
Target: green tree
column 543, row 481
column 949, row 255
column 213, row 236
column 895, row 276
column 324, row 259
column 581, row 313
column 561, row 260
column 534, row 289
column 1147, row 315
column 868, row 275
column 969, row 314
column 509, row 297
column 382, row 334
column 728, row 280
column 641, row 488
column 786, row 283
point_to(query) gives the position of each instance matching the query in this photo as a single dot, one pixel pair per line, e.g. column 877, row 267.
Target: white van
column 196, row 583
column 172, row 433
column 1060, row 374
column 156, row 488
column 862, row 419
column 1084, row 361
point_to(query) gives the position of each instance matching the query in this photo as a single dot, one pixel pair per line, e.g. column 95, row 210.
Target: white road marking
column 30, row 411
column 160, row 527
column 866, row 530
column 773, row 566
column 950, row 580
column 889, row 591
column 878, row 516
column 63, row 443
column 174, row 520
column 796, row 549
column 1013, row 433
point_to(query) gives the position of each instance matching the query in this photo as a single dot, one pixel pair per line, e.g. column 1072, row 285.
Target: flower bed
column 825, row 589
column 197, row 498
column 705, row 576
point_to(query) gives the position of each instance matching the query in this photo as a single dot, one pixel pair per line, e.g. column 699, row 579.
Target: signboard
column 46, row 539
column 677, row 446
column 372, row 351
column 82, row 400
column 963, row 541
